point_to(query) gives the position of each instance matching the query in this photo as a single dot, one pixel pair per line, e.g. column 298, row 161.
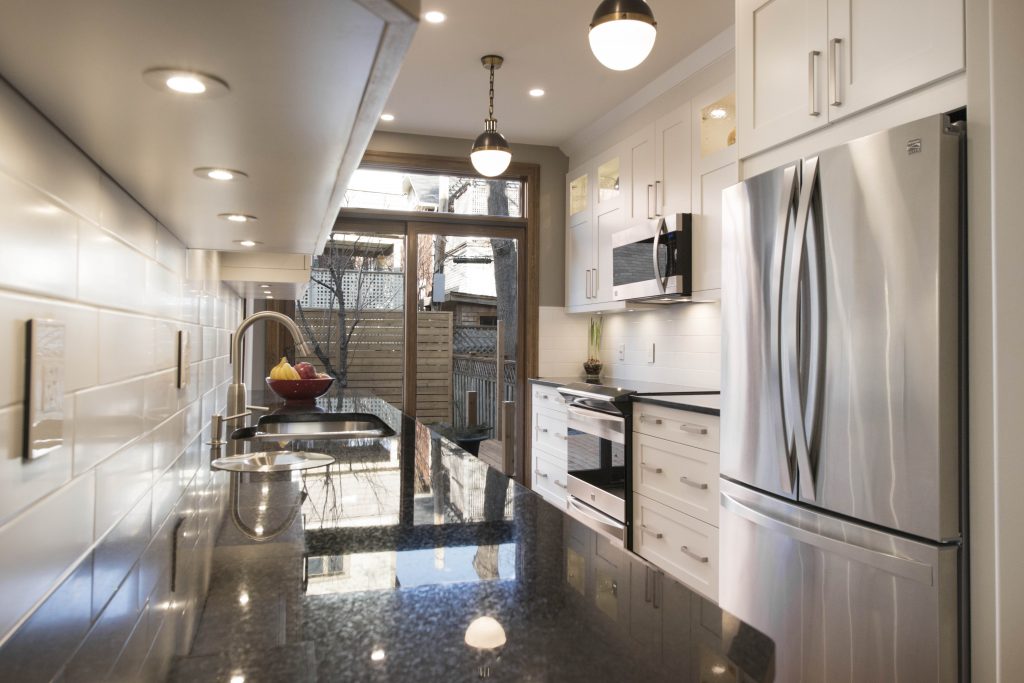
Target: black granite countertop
column 388, row 564
column 709, row 404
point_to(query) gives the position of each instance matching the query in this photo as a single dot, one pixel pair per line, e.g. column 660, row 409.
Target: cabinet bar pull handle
column 657, row 206
column 833, row 80
column 652, row 532
column 812, row 83
column 693, row 429
column 649, row 188
column 703, row 559
column 558, row 483
column 588, row 283
column 645, row 419
column 542, row 474
column 695, row 484
column 596, row 273
column 542, row 430
column 649, row 468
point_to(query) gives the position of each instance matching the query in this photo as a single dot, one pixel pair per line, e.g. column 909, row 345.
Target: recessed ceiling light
column 218, row 173
column 387, row 117
column 435, row 17
column 537, row 92
column 237, row 217
column 718, row 113
column 247, row 243
column 185, row 82
column 269, row 296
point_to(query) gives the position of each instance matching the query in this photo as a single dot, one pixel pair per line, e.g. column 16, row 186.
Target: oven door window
column 597, row 461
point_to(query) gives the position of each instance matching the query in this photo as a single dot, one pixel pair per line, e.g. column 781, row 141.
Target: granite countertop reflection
column 410, row 560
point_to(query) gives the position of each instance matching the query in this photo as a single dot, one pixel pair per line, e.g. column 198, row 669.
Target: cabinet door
column 608, row 172
column 879, row 49
column 780, row 80
column 672, row 153
column 640, row 201
column 608, row 224
column 577, row 196
column 707, row 227
column 579, row 254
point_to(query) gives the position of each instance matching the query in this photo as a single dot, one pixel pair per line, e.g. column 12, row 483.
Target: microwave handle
column 662, row 228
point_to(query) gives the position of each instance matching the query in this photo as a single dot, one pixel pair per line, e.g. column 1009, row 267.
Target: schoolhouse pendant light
column 622, row 33
column 491, row 154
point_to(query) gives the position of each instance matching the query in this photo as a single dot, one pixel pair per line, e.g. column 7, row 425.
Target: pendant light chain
column 490, row 108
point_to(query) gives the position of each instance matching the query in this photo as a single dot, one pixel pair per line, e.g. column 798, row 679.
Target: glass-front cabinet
column 579, row 198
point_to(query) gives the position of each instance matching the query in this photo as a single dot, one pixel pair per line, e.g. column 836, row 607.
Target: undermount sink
column 272, row 461
column 336, row 426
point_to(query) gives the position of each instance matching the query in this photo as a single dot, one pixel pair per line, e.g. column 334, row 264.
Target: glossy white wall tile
column 21, row 482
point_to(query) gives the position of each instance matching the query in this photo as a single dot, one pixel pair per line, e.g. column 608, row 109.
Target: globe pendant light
column 491, row 154
column 622, row 33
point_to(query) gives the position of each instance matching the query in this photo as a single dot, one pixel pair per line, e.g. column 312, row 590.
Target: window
column 403, row 191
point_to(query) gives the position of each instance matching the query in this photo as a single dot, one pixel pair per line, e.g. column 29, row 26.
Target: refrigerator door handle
column 890, row 564
column 793, row 401
column 789, row 194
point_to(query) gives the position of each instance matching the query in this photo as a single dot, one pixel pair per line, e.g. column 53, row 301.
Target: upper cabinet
column 802, row 64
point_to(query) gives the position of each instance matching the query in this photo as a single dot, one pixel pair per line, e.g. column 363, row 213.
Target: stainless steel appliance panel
column 841, row 601
column 759, row 215
column 881, row 411
column 653, row 259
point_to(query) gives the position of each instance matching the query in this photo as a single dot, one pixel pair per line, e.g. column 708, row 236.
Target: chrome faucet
column 236, row 391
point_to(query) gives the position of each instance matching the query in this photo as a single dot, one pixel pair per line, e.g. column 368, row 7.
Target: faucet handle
column 217, row 427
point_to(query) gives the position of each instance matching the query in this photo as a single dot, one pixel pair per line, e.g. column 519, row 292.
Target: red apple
column 305, row 370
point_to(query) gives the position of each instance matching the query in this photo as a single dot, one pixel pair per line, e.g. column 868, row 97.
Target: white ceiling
column 297, row 73
column 442, row 88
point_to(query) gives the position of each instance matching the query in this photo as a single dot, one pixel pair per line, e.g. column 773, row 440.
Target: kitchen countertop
column 374, row 569
column 705, row 401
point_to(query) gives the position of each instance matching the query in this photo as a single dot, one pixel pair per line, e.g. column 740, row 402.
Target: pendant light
column 622, row 33
column 491, row 154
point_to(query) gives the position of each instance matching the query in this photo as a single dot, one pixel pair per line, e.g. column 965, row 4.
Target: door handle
column 695, row 484
column 647, row 530
column 693, row 429
column 657, row 205
column 786, row 202
column 650, row 468
column 812, row 83
column 689, row 553
column 833, row 77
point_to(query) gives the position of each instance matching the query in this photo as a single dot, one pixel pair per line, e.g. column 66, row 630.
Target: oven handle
column 603, row 522
column 662, row 229
column 597, row 424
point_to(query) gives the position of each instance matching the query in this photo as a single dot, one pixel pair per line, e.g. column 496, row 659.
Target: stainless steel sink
column 272, row 461
column 335, row 426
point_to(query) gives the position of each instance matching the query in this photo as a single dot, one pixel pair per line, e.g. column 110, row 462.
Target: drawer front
column 681, row 426
column 549, row 431
column 547, row 397
column 683, row 546
column 549, row 478
column 677, row 475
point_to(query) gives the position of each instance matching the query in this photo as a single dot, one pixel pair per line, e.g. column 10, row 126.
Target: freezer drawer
column 841, row 601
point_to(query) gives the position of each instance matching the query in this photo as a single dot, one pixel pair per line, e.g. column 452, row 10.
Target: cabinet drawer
column 677, row 475
column 549, row 431
column 549, row 478
column 683, row 546
column 681, row 426
column 547, row 397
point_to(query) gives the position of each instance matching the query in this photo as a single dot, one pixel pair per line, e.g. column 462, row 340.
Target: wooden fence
column 472, row 373
column 376, row 358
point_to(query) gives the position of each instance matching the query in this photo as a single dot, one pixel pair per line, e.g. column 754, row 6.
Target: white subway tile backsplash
column 107, row 418
column 29, row 218
column 170, row 251
column 123, row 216
column 121, row 480
column 125, row 346
column 81, row 334
column 24, row 482
column 40, row 544
column 118, row 551
column 161, row 397
column 110, row 273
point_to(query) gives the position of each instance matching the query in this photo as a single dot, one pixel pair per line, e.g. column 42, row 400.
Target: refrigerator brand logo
column 914, row 146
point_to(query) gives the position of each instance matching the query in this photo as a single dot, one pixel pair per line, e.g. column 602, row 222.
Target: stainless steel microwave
column 652, row 262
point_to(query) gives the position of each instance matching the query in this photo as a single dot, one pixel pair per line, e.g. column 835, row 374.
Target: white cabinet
column 579, row 252
column 804, row 63
column 672, row 162
column 640, row 176
column 675, row 493
column 548, row 452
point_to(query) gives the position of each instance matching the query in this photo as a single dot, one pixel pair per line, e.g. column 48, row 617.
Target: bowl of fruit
column 298, row 383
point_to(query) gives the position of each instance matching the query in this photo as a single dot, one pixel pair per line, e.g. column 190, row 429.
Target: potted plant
column 592, row 366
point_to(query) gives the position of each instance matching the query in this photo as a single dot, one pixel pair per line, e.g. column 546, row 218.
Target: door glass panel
column 608, row 180
column 353, row 313
column 718, row 125
column 578, row 195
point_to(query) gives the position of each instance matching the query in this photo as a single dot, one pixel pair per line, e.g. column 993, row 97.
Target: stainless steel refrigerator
column 842, row 400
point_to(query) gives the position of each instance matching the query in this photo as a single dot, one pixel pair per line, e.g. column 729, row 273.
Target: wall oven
column 652, row 261
column 599, row 427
